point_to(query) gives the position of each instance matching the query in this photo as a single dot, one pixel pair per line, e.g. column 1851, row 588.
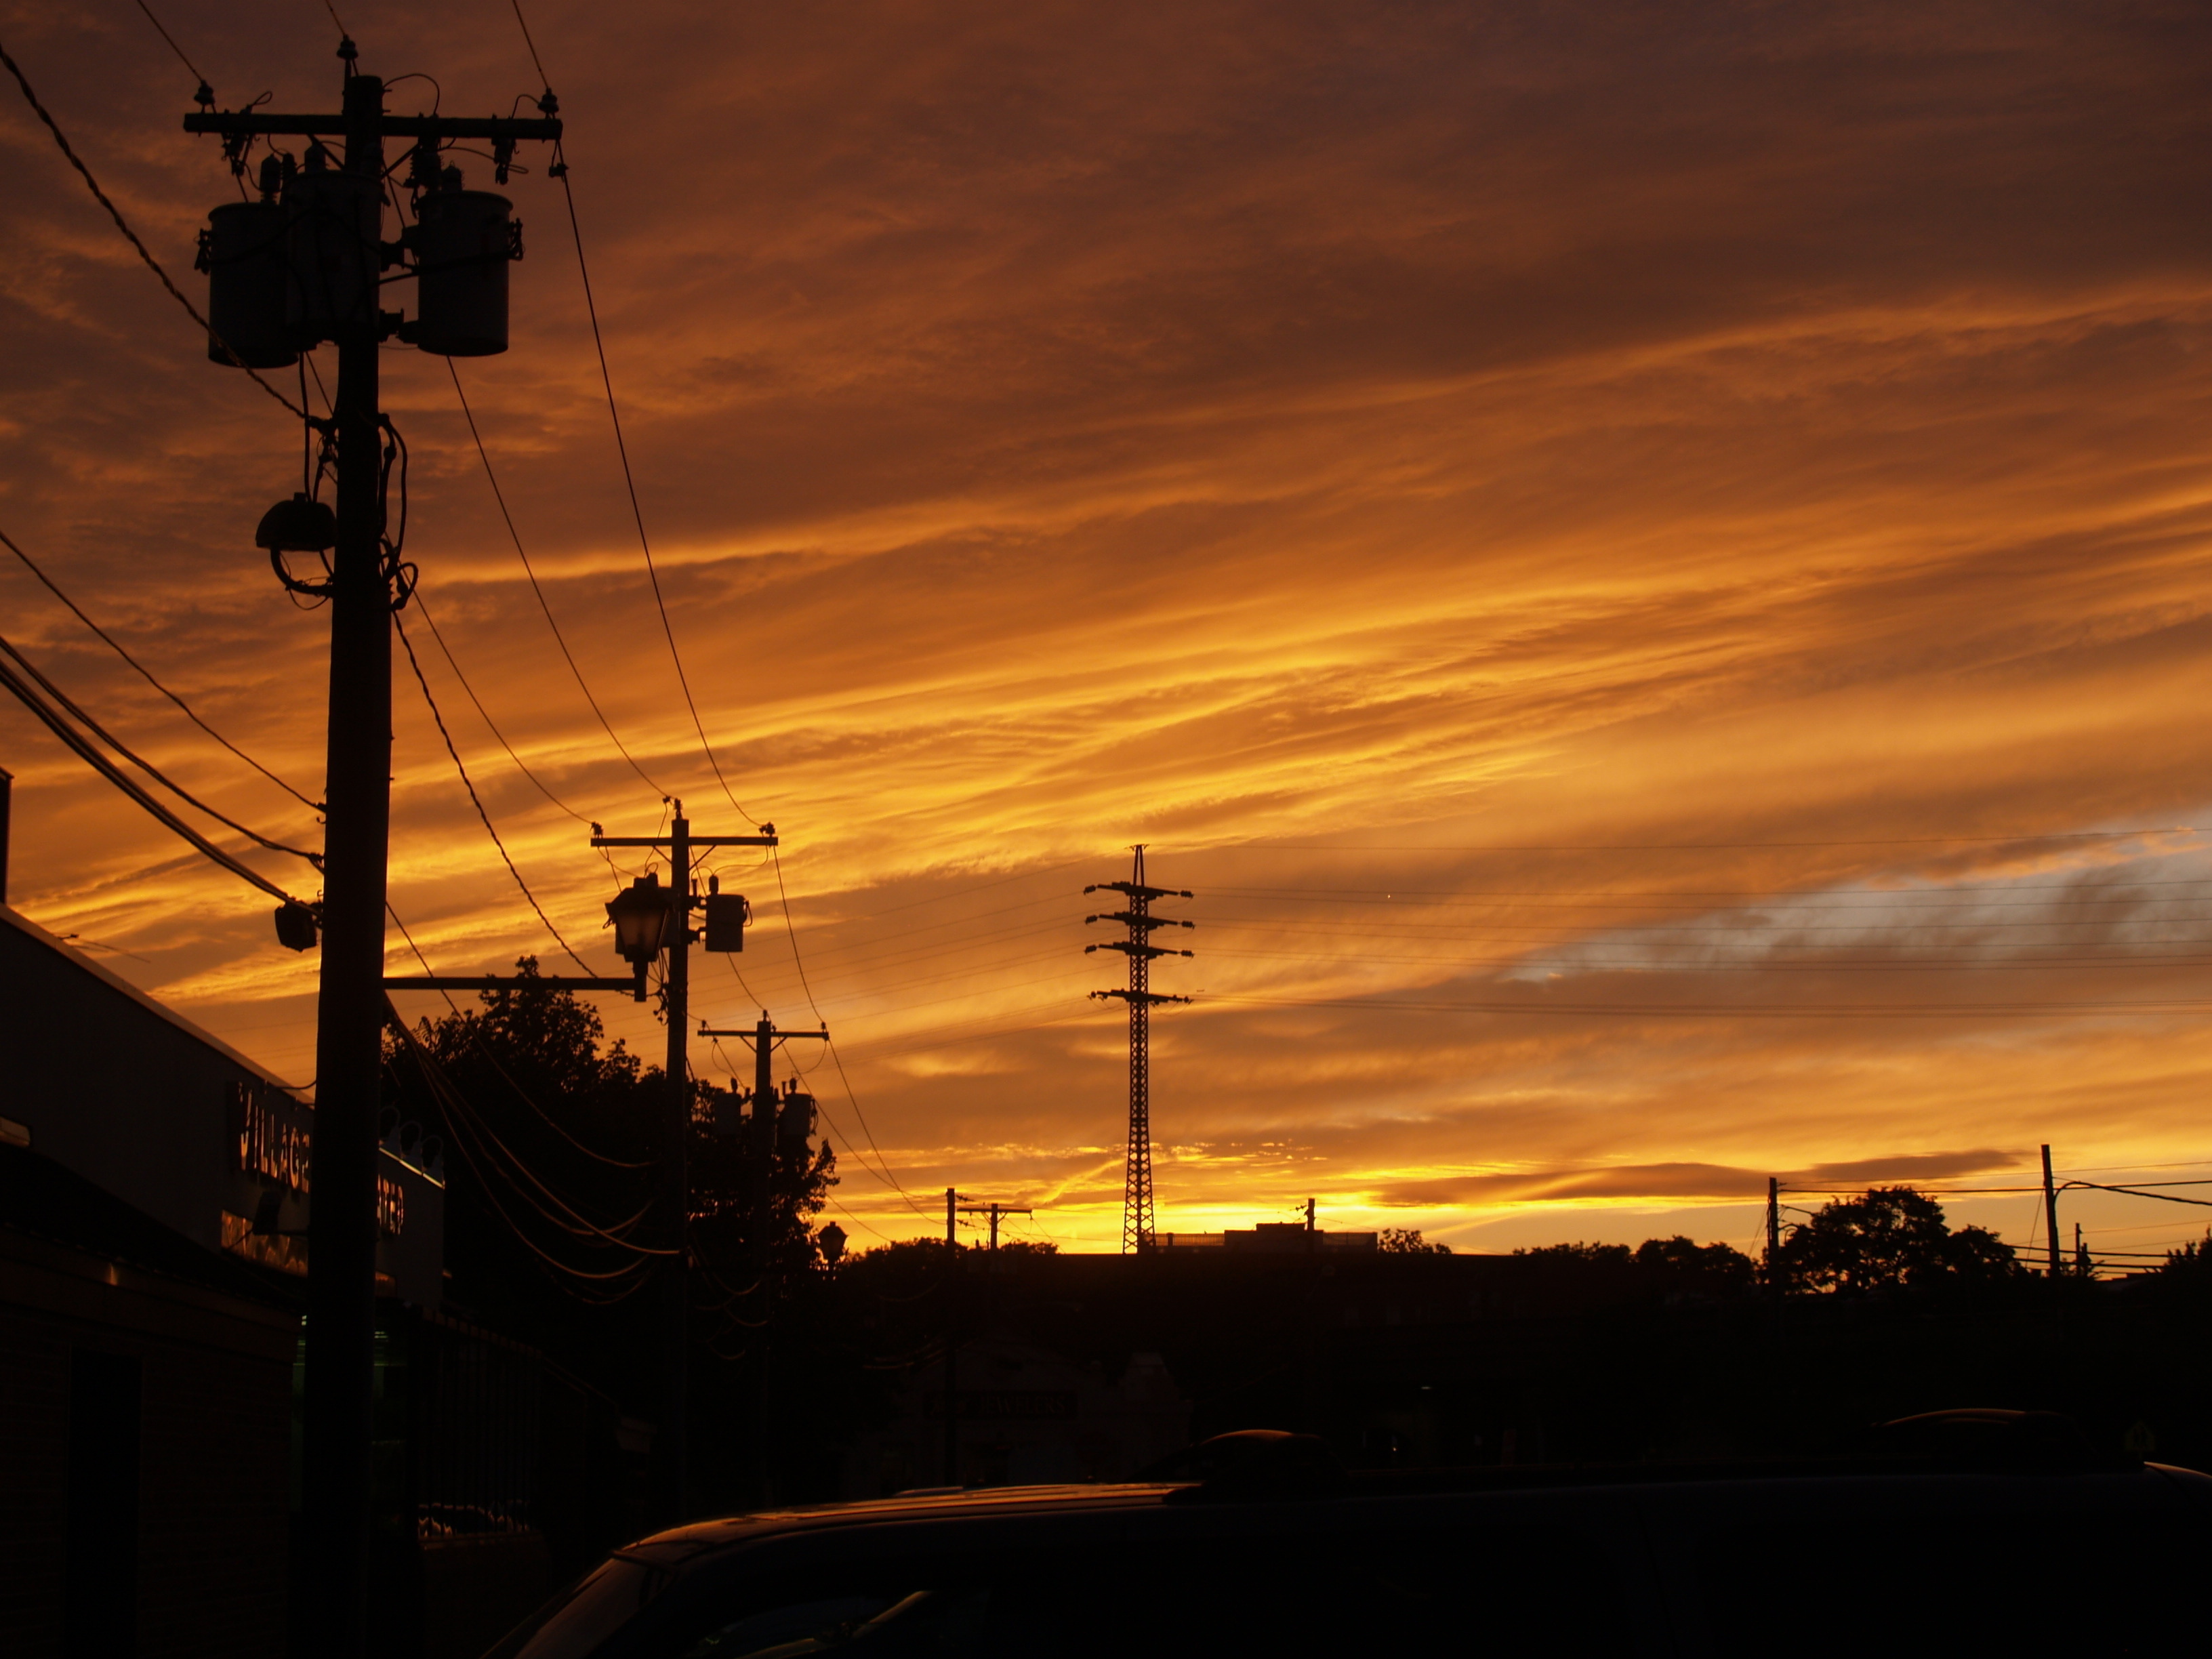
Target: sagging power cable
column 490, row 725
column 146, row 673
column 477, row 801
column 55, row 722
column 131, row 236
column 543, row 604
column 146, row 766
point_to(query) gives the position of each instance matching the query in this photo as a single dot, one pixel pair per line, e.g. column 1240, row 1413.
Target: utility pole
column 2051, row 1213
column 1137, row 1220
column 951, row 1340
column 1773, row 1235
column 677, row 937
column 333, row 243
column 1309, row 1216
column 763, row 1037
column 994, row 1210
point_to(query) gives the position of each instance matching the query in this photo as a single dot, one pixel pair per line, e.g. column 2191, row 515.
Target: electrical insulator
column 794, row 1122
column 243, row 252
column 464, row 242
column 332, row 218
column 727, row 915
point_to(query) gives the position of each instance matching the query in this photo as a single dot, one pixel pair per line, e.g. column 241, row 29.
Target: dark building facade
column 104, row 1080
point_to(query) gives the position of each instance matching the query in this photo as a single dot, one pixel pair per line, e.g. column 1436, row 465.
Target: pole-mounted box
column 726, row 916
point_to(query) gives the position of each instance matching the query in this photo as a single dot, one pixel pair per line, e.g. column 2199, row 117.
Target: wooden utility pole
column 951, row 1339
column 670, row 1440
column 342, row 292
column 2051, row 1213
column 1773, row 1235
column 760, row 1207
column 994, row 1211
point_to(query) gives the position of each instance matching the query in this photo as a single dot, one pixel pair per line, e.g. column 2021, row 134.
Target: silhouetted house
column 1026, row 1416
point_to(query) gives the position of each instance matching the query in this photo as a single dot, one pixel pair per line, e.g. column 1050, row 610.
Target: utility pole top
column 264, row 124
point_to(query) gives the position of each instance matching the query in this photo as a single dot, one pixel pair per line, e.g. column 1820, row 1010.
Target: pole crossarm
column 1138, row 919
column 693, row 840
column 753, row 1033
column 1137, row 890
column 507, row 982
column 1132, row 948
column 1147, row 997
column 259, row 125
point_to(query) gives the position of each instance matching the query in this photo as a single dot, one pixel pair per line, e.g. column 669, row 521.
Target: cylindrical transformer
column 464, row 242
column 332, row 220
column 243, row 253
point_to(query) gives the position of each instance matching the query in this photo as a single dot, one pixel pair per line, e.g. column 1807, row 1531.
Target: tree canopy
column 1890, row 1238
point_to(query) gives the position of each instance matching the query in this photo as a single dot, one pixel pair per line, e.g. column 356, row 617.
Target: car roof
column 680, row 1544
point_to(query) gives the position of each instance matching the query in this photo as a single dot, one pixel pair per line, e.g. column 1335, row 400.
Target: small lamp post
column 641, row 914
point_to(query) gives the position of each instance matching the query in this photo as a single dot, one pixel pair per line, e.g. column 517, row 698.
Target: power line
column 206, row 92
column 54, row 721
column 1704, row 845
column 536, row 63
column 1383, row 895
column 54, row 588
column 1792, row 965
column 492, row 726
column 123, row 225
column 475, row 801
column 1715, row 1010
column 147, row 767
column 544, row 604
column 629, row 481
column 791, row 933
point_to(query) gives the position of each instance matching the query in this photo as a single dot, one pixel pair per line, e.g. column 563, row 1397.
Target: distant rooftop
column 1268, row 1239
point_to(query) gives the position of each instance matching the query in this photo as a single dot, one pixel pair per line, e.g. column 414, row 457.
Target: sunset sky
column 1649, row 565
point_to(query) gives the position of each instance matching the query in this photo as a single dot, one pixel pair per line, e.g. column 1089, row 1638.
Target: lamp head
column 641, row 914
column 298, row 525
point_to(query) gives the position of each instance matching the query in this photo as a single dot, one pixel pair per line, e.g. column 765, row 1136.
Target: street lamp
column 301, row 525
column 641, row 914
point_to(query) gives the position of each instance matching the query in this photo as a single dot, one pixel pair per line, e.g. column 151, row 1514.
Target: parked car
column 1963, row 1533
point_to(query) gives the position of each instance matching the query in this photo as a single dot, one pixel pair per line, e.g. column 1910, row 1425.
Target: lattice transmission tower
column 1136, row 1190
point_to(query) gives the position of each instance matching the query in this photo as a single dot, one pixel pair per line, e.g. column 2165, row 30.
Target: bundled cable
column 147, row 674
column 147, row 767
column 26, row 692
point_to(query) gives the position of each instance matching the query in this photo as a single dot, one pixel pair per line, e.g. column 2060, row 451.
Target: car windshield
column 574, row 1622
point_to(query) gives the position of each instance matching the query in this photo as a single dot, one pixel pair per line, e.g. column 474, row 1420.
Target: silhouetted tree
column 1681, row 1267
column 1892, row 1238
column 1407, row 1241
column 564, row 1134
column 2189, row 1268
column 1588, row 1255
